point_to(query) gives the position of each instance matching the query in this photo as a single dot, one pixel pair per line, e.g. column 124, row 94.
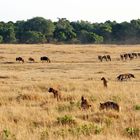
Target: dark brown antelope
column 109, row 105
column 84, row 103
column 31, row 59
column 56, row 94
column 45, row 58
column 20, row 59
column 125, row 76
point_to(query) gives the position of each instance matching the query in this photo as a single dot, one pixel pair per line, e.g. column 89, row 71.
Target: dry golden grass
column 29, row 112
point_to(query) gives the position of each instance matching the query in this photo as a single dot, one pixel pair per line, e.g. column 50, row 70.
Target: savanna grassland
column 29, row 112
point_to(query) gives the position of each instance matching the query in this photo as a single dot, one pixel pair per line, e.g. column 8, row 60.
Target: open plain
column 29, row 112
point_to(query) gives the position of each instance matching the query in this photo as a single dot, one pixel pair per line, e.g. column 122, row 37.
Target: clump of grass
column 33, row 97
column 108, row 122
column 69, row 107
column 60, row 133
column 86, row 129
column 7, row 135
column 132, row 131
column 66, row 120
column 116, row 98
column 137, row 107
column 44, row 135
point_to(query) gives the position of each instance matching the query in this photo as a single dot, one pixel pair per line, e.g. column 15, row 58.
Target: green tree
column 39, row 24
column 1, row 39
column 33, row 37
column 64, row 31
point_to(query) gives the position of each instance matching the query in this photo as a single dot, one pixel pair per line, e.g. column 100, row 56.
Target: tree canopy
column 41, row 30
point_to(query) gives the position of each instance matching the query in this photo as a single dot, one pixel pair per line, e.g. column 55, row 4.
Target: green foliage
column 1, row 39
column 85, row 129
column 6, row 135
column 133, row 132
column 41, row 30
column 62, row 133
column 137, row 107
column 31, row 37
column 67, row 119
column 64, row 31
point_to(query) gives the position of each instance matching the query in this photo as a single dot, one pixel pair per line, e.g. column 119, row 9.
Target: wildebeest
column 55, row 93
column 104, row 57
column 109, row 105
column 125, row 76
column 45, row 58
column 104, row 82
column 20, row 59
column 84, row 103
column 31, row 59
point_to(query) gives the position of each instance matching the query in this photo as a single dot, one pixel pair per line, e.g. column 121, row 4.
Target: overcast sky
column 73, row 10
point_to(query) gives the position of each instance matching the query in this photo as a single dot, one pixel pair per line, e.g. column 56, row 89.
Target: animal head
column 102, row 78
column 50, row 89
column 102, row 106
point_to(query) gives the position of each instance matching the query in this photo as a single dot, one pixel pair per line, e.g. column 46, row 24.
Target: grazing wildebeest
column 104, row 82
column 31, row 59
column 20, row 59
column 55, row 93
column 125, row 76
column 109, row 105
column 84, row 103
column 108, row 57
column 45, row 58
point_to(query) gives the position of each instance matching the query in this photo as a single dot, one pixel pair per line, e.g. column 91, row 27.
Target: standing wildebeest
column 20, row 59
column 45, row 58
column 104, row 57
column 125, row 76
column 109, row 105
column 104, row 82
column 31, row 59
column 84, row 103
column 55, row 93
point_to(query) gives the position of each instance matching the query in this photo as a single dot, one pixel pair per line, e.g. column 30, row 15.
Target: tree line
column 41, row 30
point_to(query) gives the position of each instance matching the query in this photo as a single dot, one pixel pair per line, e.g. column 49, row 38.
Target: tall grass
column 29, row 112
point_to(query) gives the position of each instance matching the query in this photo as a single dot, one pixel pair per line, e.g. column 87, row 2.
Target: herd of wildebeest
column 84, row 103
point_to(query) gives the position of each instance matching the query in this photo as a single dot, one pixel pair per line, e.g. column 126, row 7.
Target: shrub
column 6, row 135
column 65, row 120
column 137, row 107
column 86, row 129
column 131, row 131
